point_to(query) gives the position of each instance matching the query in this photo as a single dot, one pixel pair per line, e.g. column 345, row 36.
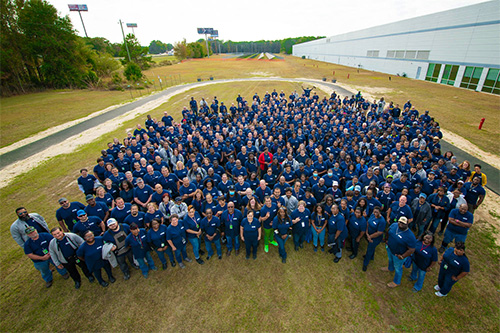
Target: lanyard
column 139, row 240
column 423, row 248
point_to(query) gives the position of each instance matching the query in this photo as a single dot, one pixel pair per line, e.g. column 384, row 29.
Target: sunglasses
column 22, row 213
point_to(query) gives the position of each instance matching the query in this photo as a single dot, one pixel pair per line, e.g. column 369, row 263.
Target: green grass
column 24, row 115
column 160, row 58
column 309, row 293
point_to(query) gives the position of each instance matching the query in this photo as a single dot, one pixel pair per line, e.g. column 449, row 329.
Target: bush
column 166, row 63
column 133, row 72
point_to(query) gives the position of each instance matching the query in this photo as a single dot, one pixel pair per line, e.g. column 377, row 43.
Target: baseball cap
column 81, row 212
column 423, row 195
column 403, row 220
column 29, row 230
column 335, row 183
column 177, row 199
column 89, row 197
column 111, row 221
column 62, row 200
column 357, row 188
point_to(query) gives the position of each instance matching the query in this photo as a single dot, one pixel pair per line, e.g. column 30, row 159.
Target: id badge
column 303, row 224
column 45, row 251
column 162, row 244
column 77, row 261
column 183, row 241
column 231, row 226
column 445, row 266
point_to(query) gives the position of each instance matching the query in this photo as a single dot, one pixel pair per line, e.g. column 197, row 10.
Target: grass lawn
column 309, row 293
column 458, row 110
column 160, row 58
column 24, row 115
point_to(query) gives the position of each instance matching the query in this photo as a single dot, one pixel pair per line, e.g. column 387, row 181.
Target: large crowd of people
column 340, row 173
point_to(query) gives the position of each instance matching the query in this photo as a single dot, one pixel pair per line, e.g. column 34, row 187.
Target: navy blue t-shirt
column 455, row 264
column 39, row 247
column 424, row 255
column 399, row 241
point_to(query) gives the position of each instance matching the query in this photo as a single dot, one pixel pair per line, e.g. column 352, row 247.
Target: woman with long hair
column 282, row 225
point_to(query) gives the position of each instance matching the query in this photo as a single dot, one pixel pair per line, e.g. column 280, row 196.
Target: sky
column 172, row 21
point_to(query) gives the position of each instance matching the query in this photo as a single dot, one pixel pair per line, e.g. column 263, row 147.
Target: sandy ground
column 490, row 211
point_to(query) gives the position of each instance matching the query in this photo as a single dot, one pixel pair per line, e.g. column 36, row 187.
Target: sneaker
column 283, row 260
column 126, row 277
column 415, row 290
column 104, row 284
column 438, row 294
column 315, row 249
column 228, row 253
column 436, row 288
column 266, row 248
column 112, row 279
column 202, row 252
column 77, row 284
column 200, row 261
column 274, row 243
column 153, row 268
column 254, row 257
column 208, row 258
column 322, row 249
column 247, row 257
column 48, row 284
column 220, row 257
column 365, row 268
column 66, row 276
column 145, row 276
column 164, row 266
column 352, row 256
column 410, row 279
column 181, row 265
column 442, row 249
column 337, row 259
column 91, row 279
column 172, row 263
column 187, row 259
column 296, row 248
column 136, row 267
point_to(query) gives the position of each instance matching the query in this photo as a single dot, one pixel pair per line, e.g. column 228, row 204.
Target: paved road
column 37, row 146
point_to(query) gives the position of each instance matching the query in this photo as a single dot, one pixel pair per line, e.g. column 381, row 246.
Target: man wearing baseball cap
column 85, row 222
column 66, row 214
column 116, row 234
column 400, row 244
column 37, row 249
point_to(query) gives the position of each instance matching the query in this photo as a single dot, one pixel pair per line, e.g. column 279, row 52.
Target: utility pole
column 79, row 12
column 125, row 42
column 206, row 42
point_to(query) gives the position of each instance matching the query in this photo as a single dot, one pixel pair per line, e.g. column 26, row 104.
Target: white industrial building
column 459, row 47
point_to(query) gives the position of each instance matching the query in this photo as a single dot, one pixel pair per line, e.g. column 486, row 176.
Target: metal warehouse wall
column 467, row 36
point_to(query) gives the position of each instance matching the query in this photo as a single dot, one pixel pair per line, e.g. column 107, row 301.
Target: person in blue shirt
column 319, row 220
column 86, row 182
column 267, row 215
column 374, row 234
column 357, row 229
column 400, row 244
column 66, row 214
column 459, row 222
column 157, row 239
column 440, row 205
column 137, row 240
column 211, row 226
column 337, row 233
column 474, row 194
column 116, row 234
column 37, row 249
column 193, row 232
column 300, row 221
column 231, row 219
column 91, row 253
column 399, row 209
column 121, row 210
column 424, row 258
column 250, row 232
column 143, row 194
column 454, row 266
column 176, row 237
column 281, row 225
column 94, row 208
column 85, row 222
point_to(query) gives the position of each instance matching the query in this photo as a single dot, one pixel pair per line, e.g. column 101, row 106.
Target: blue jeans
column 450, row 236
column 44, row 269
column 210, row 251
column 370, row 251
column 142, row 263
column 434, row 224
column 180, row 250
column 98, row 274
column 281, row 245
column 195, row 242
column 445, row 281
column 420, row 230
column 230, row 240
column 418, row 275
column 321, row 237
column 161, row 256
column 299, row 238
column 355, row 245
column 395, row 264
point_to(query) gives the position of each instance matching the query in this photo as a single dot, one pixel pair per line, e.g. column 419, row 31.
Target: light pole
column 125, row 42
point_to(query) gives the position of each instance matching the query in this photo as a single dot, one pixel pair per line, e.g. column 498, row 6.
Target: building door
column 419, row 69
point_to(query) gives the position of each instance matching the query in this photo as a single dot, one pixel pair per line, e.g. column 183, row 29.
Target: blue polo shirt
column 376, row 224
column 158, row 238
column 301, row 226
column 424, row 255
column 211, row 227
column 68, row 215
column 192, row 224
column 121, row 214
column 144, row 193
column 177, row 234
column 455, row 264
column 467, row 218
column 138, row 219
column 397, row 212
column 336, row 223
column 98, row 210
column 281, row 228
column 267, row 223
column 92, row 254
column 139, row 244
column 232, row 222
column 39, row 247
column 92, row 224
column 399, row 241
column 250, row 230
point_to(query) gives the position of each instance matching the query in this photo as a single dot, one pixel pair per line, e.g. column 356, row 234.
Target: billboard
column 131, row 25
column 78, row 8
column 207, row 31
column 215, row 33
